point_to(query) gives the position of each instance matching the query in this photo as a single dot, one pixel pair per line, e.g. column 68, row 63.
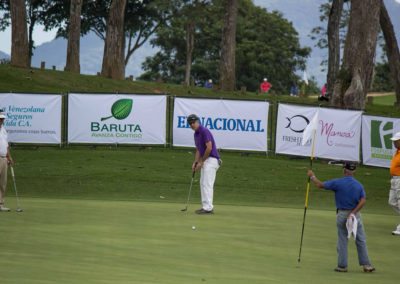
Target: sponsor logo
column 21, row 116
column 120, row 110
column 297, row 123
column 381, row 145
column 330, row 131
column 225, row 124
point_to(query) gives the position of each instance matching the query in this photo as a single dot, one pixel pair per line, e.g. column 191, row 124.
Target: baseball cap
column 2, row 115
column 350, row 166
column 396, row 137
column 192, row 118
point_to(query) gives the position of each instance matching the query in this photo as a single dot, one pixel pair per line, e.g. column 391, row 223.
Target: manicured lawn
column 82, row 241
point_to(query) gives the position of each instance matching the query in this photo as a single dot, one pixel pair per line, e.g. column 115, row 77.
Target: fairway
column 111, row 215
column 71, row 241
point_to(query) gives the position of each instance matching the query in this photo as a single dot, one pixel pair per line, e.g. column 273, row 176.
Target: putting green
column 85, row 241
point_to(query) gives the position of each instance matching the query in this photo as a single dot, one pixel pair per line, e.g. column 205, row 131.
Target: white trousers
column 207, row 179
column 394, row 194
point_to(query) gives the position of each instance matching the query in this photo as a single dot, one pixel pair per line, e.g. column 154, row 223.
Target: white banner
column 291, row 122
column 337, row 137
column 235, row 125
column 377, row 147
column 32, row 118
column 117, row 119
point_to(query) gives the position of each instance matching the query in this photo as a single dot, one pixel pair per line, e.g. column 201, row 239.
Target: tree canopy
column 267, row 46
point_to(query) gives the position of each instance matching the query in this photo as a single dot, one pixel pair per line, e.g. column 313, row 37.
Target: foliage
column 320, row 33
column 142, row 19
column 383, row 81
column 267, row 45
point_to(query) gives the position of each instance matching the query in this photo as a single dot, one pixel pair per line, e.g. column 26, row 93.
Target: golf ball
column 193, row 228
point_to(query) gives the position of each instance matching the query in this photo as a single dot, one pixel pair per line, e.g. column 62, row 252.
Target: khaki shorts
column 394, row 194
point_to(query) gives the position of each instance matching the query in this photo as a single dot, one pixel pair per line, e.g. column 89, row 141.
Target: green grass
column 113, row 216
column 107, row 215
column 145, row 174
column 48, row 81
column 387, row 100
column 74, row 241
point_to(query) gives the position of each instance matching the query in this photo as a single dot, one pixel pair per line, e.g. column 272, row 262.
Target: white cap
column 2, row 115
column 210, row 81
column 265, row 79
column 396, row 137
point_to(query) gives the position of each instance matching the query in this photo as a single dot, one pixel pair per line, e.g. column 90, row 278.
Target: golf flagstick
column 312, row 126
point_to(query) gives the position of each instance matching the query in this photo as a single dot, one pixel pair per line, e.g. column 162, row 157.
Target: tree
column 320, row 33
column 142, row 19
column 113, row 58
column 19, row 36
column 74, row 35
column 190, row 29
column 259, row 51
column 34, row 13
column 392, row 49
column 334, row 43
column 227, row 64
column 354, row 78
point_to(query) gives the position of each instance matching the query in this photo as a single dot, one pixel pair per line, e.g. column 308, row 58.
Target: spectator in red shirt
column 265, row 86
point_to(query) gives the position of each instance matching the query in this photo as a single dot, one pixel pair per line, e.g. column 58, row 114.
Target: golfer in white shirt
column 5, row 160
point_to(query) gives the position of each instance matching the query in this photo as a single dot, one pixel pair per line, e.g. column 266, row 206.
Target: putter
column 19, row 209
column 190, row 191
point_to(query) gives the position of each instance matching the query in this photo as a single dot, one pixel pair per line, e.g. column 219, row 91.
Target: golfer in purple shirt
column 207, row 160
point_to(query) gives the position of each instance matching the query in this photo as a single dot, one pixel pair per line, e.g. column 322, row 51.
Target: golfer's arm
column 197, row 156
column 317, row 182
column 359, row 206
column 207, row 151
column 8, row 153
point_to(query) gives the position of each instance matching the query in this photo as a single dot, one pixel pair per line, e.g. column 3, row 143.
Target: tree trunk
column 227, row 68
column 392, row 49
column 189, row 51
column 30, row 40
column 114, row 47
column 333, row 44
column 19, row 34
column 354, row 78
column 74, row 34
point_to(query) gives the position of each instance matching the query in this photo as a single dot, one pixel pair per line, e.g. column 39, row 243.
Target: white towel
column 351, row 226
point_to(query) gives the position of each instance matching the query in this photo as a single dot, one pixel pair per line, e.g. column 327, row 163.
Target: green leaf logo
column 120, row 109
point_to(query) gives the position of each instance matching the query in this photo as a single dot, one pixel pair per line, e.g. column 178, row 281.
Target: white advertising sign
column 337, row 136
column 32, row 118
column 117, row 119
column 235, row 125
column 291, row 122
column 377, row 147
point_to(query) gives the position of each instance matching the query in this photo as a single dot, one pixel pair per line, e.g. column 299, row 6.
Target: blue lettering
column 241, row 125
column 182, row 123
column 231, row 124
column 250, row 126
column 209, row 124
column 259, row 129
column 216, row 127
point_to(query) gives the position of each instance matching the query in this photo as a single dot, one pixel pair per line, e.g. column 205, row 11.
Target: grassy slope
column 48, row 81
column 135, row 174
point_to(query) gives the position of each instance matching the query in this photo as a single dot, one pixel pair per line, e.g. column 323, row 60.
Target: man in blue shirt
column 350, row 198
column 207, row 160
